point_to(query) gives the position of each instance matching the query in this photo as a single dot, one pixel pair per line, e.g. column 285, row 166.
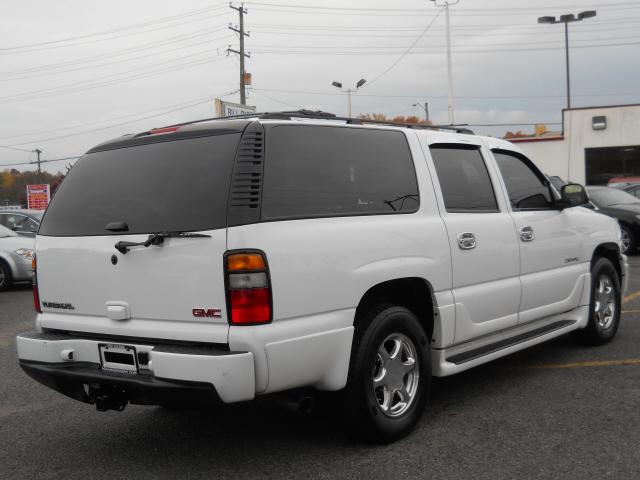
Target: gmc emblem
column 209, row 312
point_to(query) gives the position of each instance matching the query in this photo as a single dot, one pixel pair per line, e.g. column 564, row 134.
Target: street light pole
column 445, row 4
column 566, row 19
column 349, row 91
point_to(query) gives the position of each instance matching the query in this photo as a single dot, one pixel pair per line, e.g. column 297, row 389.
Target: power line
column 378, row 32
column 147, row 55
column 104, row 127
column 389, row 13
column 41, row 161
column 274, row 99
column 126, row 51
column 10, row 147
column 87, row 85
column 368, row 46
column 423, row 51
column 406, row 52
column 102, row 121
column 369, row 9
column 480, row 97
column 119, row 29
column 141, row 32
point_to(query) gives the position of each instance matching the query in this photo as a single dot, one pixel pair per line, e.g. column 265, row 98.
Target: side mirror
column 572, row 195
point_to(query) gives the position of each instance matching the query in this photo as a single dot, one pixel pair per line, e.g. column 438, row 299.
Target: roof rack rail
column 320, row 115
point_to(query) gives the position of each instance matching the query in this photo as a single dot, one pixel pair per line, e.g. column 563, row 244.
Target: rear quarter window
column 318, row 171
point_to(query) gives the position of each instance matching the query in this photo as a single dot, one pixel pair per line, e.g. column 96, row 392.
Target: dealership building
column 595, row 144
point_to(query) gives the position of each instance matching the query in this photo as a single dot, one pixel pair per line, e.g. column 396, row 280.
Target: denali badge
column 62, row 306
column 209, row 312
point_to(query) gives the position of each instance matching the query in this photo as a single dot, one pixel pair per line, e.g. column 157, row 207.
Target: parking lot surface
column 558, row 410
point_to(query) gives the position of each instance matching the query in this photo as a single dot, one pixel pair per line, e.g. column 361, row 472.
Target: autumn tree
column 13, row 184
column 381, row 117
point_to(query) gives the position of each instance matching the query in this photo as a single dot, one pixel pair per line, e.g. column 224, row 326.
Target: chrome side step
column 507, row 342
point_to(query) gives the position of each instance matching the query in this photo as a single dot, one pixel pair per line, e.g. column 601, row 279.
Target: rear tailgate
column 174, row 290
column 152, row 291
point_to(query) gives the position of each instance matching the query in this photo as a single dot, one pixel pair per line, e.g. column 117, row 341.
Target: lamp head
column 586, row 14
column 547, row 19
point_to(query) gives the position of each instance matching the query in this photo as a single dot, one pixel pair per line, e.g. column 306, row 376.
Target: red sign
column 38, row 196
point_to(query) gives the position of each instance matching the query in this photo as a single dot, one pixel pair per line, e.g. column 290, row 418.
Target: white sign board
column 228, row 109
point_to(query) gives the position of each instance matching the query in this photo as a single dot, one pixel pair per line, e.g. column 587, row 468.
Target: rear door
column 484, row 250
column 159, row 291
column 550, row 240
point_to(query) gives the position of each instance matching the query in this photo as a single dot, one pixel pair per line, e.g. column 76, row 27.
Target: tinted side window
column 317, row 171
column 463, row 177
column 526, row 189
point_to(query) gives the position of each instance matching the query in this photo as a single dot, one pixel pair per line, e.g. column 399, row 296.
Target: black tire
column 601, row 327
column 6, row 279
column 363, row 414
column 632, row 244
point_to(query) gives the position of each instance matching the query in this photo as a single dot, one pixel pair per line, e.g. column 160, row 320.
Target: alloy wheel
column 395, row 375
column 604, row 305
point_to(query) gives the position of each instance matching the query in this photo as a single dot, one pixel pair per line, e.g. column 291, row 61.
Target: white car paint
column 320, row 269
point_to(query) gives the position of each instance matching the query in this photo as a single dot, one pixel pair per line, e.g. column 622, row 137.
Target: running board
column 507, row 342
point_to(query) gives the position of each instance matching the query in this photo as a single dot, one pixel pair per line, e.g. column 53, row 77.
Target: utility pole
column 37, row 151
column 445, row 4
column 240, row 31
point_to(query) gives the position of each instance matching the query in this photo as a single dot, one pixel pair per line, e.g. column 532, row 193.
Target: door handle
column 466, row 240
column 526, row 234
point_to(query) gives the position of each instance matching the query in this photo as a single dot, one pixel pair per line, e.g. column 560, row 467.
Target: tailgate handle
column 118, row 311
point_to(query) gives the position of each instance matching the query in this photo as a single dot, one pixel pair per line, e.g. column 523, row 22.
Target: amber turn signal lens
column 245, row 261
column 33, row 263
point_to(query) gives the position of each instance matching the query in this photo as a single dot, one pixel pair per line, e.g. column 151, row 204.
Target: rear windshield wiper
column 157, row 239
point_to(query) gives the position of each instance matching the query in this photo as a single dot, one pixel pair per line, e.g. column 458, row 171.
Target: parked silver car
column 23, row 222
column 16, row 253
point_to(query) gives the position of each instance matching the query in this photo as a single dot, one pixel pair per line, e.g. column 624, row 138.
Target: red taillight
column 248, row 288
column 36, row 294
column 250, row 306
column 155, row 131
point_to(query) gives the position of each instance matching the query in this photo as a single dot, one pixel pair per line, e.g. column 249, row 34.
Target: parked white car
column 225, row 259
column 16, row 254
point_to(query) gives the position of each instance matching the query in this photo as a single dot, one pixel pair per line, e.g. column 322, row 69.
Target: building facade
column 596, row 144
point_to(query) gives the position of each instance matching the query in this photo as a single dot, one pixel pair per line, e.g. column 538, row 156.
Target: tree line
column 13, row 185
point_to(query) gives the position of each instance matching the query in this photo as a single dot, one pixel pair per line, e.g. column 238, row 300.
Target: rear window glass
column 313, row 171
column 179, row 185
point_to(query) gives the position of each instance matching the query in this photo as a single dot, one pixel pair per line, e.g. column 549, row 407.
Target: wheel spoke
column 380, row 379
column 395, row 352
column 386, row 399
column 408, row 366
column 384, row 355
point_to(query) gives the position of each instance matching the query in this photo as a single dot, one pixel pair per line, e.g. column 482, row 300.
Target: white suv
column 230, row 258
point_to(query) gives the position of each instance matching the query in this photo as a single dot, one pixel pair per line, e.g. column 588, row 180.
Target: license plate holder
column 118, row 357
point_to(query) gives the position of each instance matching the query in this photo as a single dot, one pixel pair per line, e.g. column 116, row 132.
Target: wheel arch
column 610, row 251
column 413, row 293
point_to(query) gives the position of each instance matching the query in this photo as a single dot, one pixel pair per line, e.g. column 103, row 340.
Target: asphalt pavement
column 558, row 410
